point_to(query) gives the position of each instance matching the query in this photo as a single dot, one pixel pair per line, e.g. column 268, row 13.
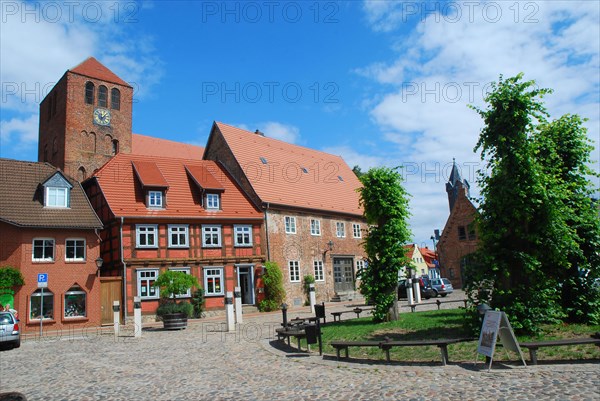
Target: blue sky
column 377, row 82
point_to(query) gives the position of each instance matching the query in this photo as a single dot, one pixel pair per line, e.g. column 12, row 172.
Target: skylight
column 263, row 160
column 304, row 170
column 340, row 178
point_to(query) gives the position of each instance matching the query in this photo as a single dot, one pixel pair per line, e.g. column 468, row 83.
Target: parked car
column 441, row 286
column 424, row 285
column 9, row 330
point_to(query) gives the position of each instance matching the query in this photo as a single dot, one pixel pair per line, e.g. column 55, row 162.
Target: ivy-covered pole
column 385, row 204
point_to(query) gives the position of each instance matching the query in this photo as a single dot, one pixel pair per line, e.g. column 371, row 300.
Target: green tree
column 385, row 204
column 10, row 278
column 173, row 283
column 528, row 233
column 274, row 291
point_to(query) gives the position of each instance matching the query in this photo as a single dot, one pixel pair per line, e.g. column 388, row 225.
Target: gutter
column 124, row 272
column 267, row 231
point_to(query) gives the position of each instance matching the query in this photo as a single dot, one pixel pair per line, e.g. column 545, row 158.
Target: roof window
column 263, row 160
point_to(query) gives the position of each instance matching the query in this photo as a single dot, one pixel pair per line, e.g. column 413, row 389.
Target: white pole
column 313, row 297
column 417, row 290
column 42, row 313
column 238, row 305
column 137, row 316
column 409, row 292
column 229, row 311
column 116, row 317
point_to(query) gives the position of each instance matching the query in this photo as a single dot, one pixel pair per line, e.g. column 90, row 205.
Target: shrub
column 274, row 291
column 307, row 281
column 198, row 302
column 168, row 306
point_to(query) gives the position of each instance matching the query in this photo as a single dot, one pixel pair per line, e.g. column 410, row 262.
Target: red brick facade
column 16, row 250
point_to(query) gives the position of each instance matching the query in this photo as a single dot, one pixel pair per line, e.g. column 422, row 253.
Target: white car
column 9, row 330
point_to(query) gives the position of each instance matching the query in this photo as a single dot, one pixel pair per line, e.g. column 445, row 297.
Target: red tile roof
column 92, row 68
column 290, row 175
column 411, row 250
column 22, row 198
column 150, row 146
column 149, row 174
column 125, row 196
column 204, row 178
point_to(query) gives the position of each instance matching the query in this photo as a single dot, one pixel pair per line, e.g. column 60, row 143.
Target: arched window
column 115, row 147
column 75, row 302
column 89, row 93
column 102, row 96
column 35, row 305
column 81, row 174
column 115, row 99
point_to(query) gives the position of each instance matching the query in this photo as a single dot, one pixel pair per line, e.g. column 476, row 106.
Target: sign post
column 42, row 281
column 496, row 324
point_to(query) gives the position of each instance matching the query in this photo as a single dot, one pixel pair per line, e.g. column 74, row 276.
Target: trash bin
column 312, row 333
column 320, row 311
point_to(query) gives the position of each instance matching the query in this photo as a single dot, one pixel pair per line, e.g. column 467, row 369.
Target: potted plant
column 173, row 283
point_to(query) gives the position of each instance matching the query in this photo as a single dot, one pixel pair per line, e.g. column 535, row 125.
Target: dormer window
column 155, row 199
column 213, row 201
column 57, row 191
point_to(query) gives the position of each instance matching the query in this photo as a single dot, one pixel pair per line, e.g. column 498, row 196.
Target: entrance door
column 343, row 274
column 110, row 290
column 246, row 283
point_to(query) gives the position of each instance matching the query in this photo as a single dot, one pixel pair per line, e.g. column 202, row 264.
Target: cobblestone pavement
column 205, row 363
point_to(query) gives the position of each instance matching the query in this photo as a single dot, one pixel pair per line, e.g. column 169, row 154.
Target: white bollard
column 409, row 292
column 137, row 316
column 116, row 313
column 312, row 297
column 229, row 311
column 417, row 290
column 238, row 305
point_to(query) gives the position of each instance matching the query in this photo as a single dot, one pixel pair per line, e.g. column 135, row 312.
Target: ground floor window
column 145, row 282
column 318, row 265
column 75, row 302
column 38, row 308
column 294, row 266
column 213, row 281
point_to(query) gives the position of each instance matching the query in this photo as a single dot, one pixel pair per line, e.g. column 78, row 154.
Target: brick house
column 188, row 215
column 313, row 221
column 459, row 236
column 47, row 225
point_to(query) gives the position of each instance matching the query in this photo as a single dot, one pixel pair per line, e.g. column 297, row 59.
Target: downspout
column 267, row 231
column 124, row 272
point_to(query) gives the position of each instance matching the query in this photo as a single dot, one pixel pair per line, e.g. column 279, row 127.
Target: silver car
column 9, row 330
column 441, row 286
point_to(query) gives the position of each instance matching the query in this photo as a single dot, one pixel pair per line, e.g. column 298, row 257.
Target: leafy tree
column 173, row 283
column 10, row 278
column 528, row 231
column 385, row 204
column 274, row 291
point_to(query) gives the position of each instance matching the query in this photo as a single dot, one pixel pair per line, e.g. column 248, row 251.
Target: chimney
column 257, row 132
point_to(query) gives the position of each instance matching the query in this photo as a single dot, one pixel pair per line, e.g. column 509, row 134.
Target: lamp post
column 433, row 239
column 99, row 262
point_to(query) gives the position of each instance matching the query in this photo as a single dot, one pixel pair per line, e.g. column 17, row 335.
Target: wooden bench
column 284, row 333
column 535, row 345
column 337, row 316
column 344, row 345
column 386, row 345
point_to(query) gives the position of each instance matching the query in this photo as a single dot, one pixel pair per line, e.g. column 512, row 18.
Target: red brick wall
column 80, row 142
column 17, row 252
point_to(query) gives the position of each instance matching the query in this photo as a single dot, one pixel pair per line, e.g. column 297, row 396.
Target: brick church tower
column 455, row 186
column 85, row 119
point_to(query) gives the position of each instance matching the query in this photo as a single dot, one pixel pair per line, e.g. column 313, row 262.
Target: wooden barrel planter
column 175, row 321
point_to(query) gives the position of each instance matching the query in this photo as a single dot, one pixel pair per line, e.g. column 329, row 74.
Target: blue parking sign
column 42, row 280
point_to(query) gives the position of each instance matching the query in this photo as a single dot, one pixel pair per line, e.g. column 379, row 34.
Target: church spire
column 455, row 185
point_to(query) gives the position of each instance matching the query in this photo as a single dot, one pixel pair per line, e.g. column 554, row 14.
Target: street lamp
column 99, row 261
column 433, row 239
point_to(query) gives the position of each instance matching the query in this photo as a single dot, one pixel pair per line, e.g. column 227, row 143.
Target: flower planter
column 174, row 321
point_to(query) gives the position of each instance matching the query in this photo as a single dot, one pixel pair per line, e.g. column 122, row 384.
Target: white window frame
column 244, row 230
column 75, row 259
column 356, row 233
column 294, row 270
column 178, row 230
column 155, row 199
column 211, row 229
column 211, row 272
column 185, row 270
column 44, row 258
column 213, row 201
column 360, row 264
column 146, row 230
column 315, row 227
column 290, row 224
column 148, row 285
column 318, row 270
column 340, row 229
column 53, row 193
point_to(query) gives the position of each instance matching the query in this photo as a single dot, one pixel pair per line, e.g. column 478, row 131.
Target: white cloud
column 22, row 134
column 285, row 132
column 446, row 57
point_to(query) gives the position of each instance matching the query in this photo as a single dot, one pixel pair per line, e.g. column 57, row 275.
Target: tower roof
column 92, row 68
column 454, row 174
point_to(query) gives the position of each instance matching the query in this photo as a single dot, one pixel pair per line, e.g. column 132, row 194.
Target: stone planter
column 174, row 321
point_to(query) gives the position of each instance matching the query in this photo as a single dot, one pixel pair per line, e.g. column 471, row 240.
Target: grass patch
column 442, row 324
